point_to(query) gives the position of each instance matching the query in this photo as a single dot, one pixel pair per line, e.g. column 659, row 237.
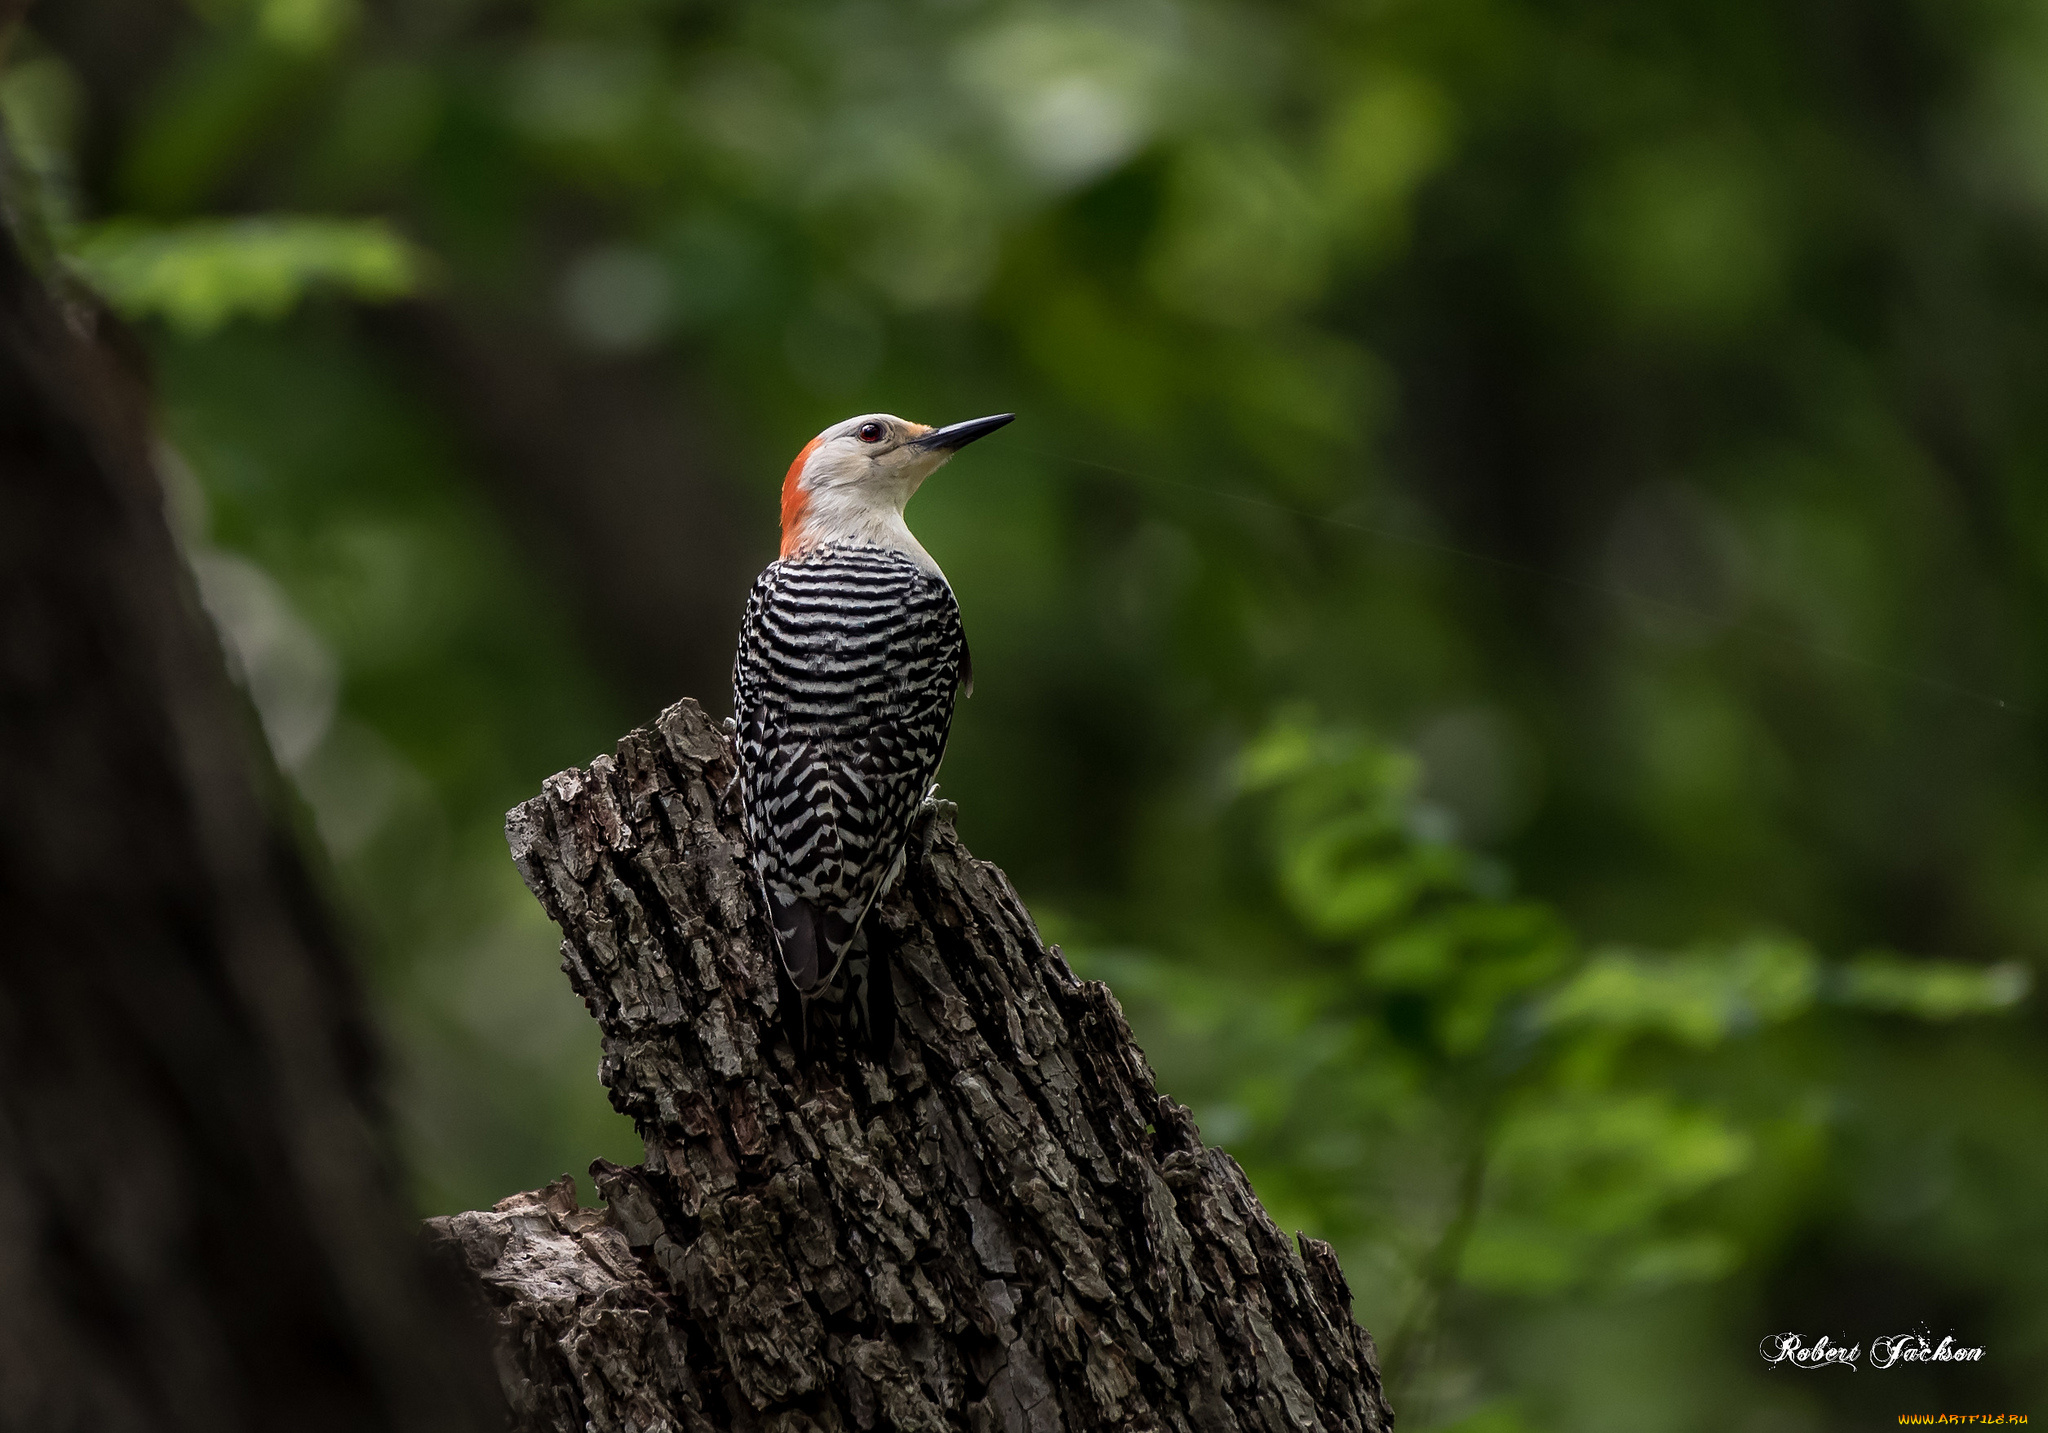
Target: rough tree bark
column 1005, row 1228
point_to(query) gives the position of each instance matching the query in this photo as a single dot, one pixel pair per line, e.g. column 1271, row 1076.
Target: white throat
column 856, row 513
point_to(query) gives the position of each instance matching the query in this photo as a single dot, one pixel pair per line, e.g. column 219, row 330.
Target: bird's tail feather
column 802, row 946
column 813, row 942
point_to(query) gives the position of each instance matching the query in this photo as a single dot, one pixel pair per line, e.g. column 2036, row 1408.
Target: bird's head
column 852, row 480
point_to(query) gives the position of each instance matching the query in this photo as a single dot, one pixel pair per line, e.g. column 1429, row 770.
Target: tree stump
column 1006, row 1227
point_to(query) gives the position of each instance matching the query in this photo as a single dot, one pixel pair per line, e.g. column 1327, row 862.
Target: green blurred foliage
column 1448, row 1082
column 1629, row 411
column 198, row 275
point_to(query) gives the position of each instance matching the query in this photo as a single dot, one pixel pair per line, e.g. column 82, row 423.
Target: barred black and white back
column 843, row 688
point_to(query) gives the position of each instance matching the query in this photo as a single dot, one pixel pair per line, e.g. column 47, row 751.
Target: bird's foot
column 933, row 811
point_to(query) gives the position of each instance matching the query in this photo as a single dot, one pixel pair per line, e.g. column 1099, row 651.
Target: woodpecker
column 850, row 654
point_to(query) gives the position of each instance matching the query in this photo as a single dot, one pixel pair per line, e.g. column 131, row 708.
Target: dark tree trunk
column 197, row 1226
column 1005, row 1228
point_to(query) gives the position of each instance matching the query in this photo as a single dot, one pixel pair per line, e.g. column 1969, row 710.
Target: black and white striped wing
column 843, row 691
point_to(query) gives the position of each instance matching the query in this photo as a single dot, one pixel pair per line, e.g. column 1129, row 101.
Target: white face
column 874, row 457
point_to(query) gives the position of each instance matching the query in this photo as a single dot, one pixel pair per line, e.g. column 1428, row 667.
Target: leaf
column 1700, row 997
column 199, row 275
column 1930, row 989
column 1580, row 1186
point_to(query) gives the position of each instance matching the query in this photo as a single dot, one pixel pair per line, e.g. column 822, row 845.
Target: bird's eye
column 871, row 432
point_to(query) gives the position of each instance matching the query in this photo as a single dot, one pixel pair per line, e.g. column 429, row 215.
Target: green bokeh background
column 1510, row 625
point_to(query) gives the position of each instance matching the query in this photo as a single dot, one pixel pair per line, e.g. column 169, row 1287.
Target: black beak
column 959, row 435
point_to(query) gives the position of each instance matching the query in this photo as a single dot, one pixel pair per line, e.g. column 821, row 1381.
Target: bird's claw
column 931, row 812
